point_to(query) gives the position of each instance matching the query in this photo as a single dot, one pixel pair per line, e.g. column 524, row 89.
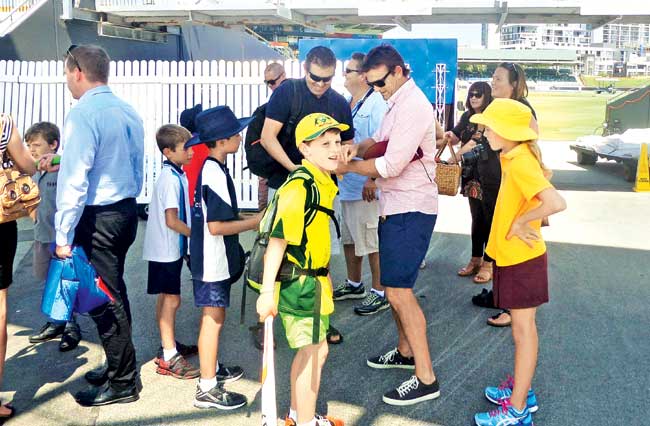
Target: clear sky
column 467, row 34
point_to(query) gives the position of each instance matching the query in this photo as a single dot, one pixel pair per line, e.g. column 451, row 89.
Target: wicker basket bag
column 447, row 175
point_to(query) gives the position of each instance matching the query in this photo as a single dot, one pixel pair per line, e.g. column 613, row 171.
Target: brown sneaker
column 177, row 367
column 185, row 350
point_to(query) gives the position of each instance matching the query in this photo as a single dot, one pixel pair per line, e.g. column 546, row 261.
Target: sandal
column 472, row 268
column 334, row 337
column 484, row 274
column 495, row 320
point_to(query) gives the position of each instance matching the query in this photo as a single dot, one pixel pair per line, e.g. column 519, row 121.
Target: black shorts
column 8, row 244
column 165, row 277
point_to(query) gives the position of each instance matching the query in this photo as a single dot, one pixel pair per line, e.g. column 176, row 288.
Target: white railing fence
column 158, row 90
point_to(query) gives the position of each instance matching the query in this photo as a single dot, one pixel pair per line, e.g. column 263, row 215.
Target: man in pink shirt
column 408, row 208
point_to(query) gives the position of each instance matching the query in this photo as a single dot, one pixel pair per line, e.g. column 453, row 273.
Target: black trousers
column 106, row 233
column 482, row 214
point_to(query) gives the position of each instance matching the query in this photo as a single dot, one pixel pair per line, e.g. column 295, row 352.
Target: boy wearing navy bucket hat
column 216, row 257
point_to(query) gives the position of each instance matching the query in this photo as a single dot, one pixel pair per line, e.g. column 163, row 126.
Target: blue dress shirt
column 102, row 160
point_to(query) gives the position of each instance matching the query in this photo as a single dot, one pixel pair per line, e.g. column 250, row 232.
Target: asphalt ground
column 594, row 339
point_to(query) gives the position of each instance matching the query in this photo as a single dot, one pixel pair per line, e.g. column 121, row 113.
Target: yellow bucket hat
column 314, row 125
column 508, row 118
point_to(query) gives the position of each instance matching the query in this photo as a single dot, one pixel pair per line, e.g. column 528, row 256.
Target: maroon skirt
column 524, row 285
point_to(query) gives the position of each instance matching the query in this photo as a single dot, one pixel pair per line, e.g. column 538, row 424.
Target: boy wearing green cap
column 299, row 251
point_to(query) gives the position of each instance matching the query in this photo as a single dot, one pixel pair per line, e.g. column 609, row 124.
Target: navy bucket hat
column 188, row 116
column 216, row 123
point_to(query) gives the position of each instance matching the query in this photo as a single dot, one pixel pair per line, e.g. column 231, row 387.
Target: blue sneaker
column 505, row 415
column 504, row 391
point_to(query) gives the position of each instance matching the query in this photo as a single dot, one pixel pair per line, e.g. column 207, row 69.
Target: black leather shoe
column 105, row 395
column 71, row 337
column 98, row 376
column 48, row 332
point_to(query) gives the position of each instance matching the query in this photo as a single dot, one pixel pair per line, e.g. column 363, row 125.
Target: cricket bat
column 269, row 407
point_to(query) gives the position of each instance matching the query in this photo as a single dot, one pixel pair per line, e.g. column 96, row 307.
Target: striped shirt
column 7, row 125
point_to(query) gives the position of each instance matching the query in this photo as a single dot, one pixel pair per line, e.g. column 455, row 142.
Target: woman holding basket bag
column 14, row 156
column 480, row 179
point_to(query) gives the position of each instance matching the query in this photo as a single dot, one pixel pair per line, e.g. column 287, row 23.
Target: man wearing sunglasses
column 408, row 207
column 358, row 195
column 274, row 75
column 316, row 95
column 99, row 179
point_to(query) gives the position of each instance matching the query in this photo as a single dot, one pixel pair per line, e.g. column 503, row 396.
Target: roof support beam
column 402, row 23
column 503, row 15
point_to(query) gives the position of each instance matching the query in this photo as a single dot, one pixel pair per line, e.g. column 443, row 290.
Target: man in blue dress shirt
column 100, row 176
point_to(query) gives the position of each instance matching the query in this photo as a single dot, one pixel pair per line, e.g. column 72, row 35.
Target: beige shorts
column 41, row 262
column 359, row 223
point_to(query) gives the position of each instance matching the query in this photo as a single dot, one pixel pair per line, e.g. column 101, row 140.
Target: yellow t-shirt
column 307, row 247
column 521, row 180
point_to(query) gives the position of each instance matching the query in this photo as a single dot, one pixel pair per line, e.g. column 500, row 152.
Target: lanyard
column 359, row 104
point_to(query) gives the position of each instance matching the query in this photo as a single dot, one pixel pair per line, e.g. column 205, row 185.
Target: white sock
column 312, row 422
column 354, row 283
column 293, row 415
column 169, row 353
column 207, row 384
column 377, row 292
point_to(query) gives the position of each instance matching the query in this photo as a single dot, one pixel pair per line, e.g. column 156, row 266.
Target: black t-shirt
column 488, row 172
column 279, row 109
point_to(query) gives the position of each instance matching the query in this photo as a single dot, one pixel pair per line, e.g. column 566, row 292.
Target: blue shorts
column 211, row 294
column 403, row 243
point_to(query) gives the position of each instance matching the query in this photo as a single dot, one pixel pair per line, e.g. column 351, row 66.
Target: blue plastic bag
column 60, row 293
column 92, row 291
column 72, row 285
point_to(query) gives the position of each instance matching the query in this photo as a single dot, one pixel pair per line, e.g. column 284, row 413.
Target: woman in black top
column 481, row 179
column 509, row 81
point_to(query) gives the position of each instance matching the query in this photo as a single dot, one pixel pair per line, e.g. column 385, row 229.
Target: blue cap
column 216, row 123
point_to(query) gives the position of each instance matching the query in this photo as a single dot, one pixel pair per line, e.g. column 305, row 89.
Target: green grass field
column 566, row 115
column 620, row 83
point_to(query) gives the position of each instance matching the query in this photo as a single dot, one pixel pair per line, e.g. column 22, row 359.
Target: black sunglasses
column 476, row 95
column 512, row 67
column 272, row 82
column 349, row 70
column 318, row 79
column 381, row 82
column 68, row 54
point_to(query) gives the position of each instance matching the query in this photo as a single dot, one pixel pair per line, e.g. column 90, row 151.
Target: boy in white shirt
column 166, row 246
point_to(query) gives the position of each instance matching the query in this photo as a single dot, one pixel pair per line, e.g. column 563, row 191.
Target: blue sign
column 421, row 56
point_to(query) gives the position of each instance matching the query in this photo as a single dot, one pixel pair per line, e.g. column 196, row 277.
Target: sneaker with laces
column 391, row 359
column 345, row 290
column 372, row 304
column 505, row 415
column 504, row 391
column 219, row 398
column 229, row 374
column 411, row 392
column 320, row 421
column 177, row 367
column 185, row 350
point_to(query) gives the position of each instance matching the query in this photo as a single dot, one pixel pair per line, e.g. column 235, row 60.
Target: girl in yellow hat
column 516, row 245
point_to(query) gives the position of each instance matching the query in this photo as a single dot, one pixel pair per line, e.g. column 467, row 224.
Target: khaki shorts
column 359, row 223
column 41, row 262
column 300, row 330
